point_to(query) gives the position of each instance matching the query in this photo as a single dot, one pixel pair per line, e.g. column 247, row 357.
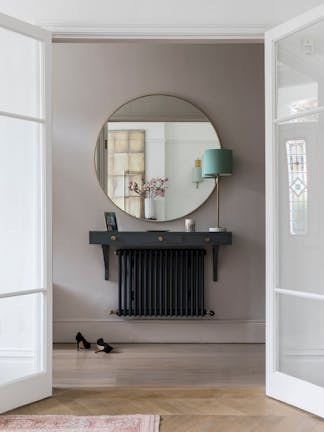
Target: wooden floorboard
column 194, row 388
column 160, row 365
column 185, row 409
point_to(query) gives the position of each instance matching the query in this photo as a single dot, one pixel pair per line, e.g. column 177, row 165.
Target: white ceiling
column 256, row 15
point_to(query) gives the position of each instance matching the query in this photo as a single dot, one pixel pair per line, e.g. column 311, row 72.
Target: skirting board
column 161, row 331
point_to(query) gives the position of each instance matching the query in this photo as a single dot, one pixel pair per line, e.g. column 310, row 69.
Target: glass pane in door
column 300, row 180
column 21, row 196
column 21, row 67
column 301, row 338
column 300, row 66
column 299, row 137
column 20, row 336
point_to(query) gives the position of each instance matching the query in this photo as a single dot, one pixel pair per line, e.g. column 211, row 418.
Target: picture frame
column 111, row 221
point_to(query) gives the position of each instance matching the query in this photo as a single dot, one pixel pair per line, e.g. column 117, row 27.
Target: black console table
column 161, row 239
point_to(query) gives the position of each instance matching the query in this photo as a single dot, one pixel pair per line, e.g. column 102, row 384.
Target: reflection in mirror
column 300, row 67
column 148, row 156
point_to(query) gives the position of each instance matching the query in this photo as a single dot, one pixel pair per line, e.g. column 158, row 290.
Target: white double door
column 294, row 201
column 25, row 215
column 295, row 211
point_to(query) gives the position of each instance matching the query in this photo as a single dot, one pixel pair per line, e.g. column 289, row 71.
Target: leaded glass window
column 297, row 177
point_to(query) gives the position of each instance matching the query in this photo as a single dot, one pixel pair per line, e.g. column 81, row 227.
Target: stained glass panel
column 297, row 178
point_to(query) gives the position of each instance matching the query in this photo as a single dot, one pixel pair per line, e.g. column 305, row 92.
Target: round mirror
column 148, row 157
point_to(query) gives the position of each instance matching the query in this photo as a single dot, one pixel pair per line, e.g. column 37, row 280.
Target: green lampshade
column 217, row 162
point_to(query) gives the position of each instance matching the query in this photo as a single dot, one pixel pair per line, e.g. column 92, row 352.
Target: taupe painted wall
column 90, row 82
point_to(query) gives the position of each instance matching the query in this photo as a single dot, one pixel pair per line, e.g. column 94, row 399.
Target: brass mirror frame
column 106, row 121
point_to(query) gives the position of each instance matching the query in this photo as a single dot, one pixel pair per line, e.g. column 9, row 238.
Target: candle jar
column 189, row 225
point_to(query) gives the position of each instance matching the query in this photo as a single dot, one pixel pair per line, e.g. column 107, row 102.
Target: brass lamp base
column 217, row 229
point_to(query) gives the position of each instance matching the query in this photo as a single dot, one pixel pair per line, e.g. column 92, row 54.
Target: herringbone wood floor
column 210, row 389
column 186, row 409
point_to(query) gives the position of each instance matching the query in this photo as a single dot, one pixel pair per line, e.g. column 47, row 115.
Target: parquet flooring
column 186, row 409
column 194, row 388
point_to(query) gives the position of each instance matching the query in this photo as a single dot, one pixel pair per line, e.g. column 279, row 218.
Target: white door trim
column 295, row 24
column 24, row 28
column 65, row 32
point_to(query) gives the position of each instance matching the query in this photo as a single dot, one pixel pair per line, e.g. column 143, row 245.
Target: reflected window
column 298, row 190
column 304, row 106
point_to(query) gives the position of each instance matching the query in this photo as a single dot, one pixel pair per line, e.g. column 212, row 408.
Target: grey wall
column 90, row 82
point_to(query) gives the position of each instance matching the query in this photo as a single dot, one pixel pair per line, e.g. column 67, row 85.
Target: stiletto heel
column 103, row 346
column 81, row 342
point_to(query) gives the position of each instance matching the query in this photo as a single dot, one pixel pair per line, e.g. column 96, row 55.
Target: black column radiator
column 161, row 282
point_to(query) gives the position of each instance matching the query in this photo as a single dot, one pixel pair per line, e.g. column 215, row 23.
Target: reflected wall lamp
column 197, row 173
column 216, row 164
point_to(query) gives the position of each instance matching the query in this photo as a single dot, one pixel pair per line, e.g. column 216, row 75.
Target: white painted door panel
column 294, row 210
column 25, row 216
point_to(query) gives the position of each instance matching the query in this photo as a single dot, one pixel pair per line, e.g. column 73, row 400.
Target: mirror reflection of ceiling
column 300, row 73
column 148, row 157
column 158, row 108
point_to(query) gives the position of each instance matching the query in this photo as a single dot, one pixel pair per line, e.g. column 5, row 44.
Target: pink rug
column 62, row 423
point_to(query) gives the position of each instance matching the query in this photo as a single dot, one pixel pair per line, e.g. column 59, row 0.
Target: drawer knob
column 160, row 238
column 207, row 239
column 113, row 238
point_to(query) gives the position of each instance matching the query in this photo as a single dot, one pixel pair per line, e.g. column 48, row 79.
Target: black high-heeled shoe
column 82, row 343
column 103, row 346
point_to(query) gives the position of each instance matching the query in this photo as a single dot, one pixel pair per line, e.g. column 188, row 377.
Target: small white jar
column 190, row 225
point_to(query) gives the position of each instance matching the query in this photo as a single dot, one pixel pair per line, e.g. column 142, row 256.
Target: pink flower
column 153, row 188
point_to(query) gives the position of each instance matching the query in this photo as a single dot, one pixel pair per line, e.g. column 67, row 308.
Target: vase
column 149, row 208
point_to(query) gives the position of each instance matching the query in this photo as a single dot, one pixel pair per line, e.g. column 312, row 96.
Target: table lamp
column 217, row 163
